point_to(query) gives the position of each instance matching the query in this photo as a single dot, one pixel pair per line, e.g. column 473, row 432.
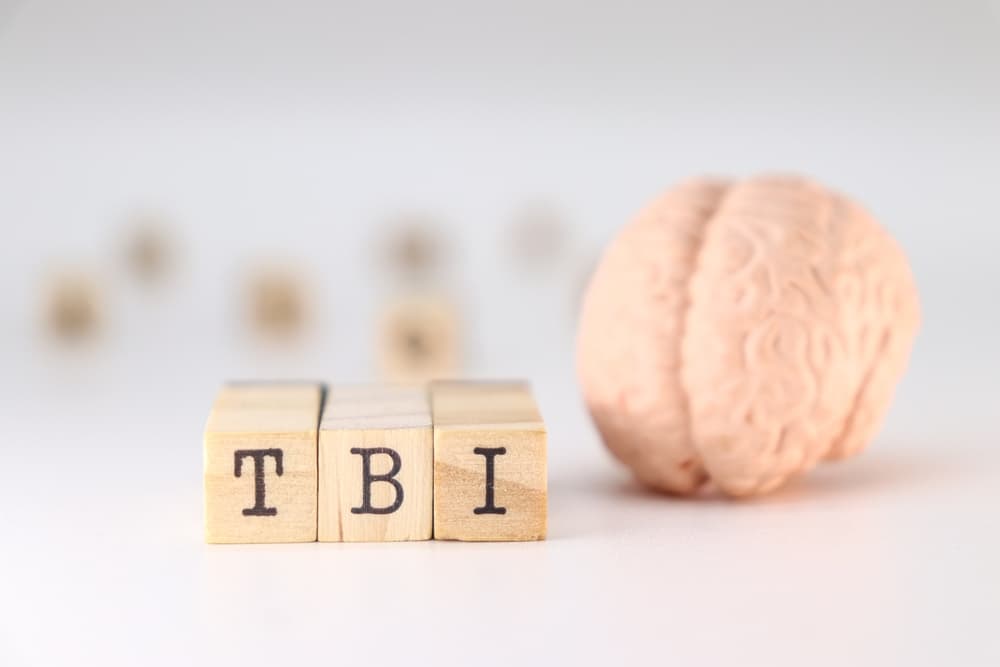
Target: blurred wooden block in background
column 490, row 478
column 419, row 340
column 279, row 303
column 74, row 307
column 260, row 463
column 376, row 465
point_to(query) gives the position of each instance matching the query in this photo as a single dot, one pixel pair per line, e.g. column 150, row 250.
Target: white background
column 293, row 131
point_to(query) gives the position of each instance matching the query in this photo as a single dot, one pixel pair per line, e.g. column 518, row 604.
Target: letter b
column 368, row 479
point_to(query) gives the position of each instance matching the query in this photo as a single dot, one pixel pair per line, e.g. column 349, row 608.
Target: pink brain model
column 741, row 332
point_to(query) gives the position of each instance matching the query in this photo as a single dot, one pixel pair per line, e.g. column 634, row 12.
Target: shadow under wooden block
column 260, row 463
column 419, row 340
column 490, row 478
column 375, row 465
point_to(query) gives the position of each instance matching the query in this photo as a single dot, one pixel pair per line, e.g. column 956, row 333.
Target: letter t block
column 490, row 479
column 260, row 463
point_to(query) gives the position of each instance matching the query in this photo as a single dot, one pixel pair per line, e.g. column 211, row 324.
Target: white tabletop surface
column 887, row 559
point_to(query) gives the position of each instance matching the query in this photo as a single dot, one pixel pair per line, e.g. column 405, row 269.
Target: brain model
column 741, row 332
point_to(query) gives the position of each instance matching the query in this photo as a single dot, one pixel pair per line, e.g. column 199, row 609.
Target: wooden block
column 419, row 340
column 490, row 479
column 260, row 463
column 376, row 465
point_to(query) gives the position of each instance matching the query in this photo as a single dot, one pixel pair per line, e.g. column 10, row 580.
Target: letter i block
column 490, row 480
column 260, row 463
column 375, row 465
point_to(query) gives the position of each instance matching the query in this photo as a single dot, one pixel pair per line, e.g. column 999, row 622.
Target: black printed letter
column 258, row 456
column 368, row 478
column 490, row 453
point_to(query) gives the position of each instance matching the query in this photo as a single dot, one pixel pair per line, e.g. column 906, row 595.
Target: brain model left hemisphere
column 739, row 333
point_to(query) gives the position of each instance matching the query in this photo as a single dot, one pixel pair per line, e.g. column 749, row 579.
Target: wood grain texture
column 393, row 425
column 479, row 425
column 267, row 434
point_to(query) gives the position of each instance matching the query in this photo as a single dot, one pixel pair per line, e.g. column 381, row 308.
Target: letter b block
column 489, row 462
column 375, row 465
column 260, row 463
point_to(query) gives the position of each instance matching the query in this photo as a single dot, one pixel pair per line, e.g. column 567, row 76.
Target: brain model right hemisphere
column 740, row 332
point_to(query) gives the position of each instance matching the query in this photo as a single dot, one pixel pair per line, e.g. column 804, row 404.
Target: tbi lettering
column 260, row 508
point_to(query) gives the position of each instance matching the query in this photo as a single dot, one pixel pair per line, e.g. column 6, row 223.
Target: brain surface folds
column 742, row 332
